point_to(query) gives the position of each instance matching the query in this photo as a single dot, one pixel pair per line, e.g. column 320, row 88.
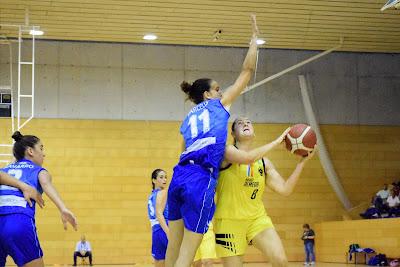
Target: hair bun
column 185, row 86
column 17, row 136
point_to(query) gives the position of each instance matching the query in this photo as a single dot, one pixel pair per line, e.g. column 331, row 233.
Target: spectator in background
column 384, row 193
column 393, row 203
column 396, row 188
column 308, row 238
column 373, row 211
column 380, row 200
column 83, row 249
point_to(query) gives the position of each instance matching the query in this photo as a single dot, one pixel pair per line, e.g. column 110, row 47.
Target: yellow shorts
column 207, row 247
column 233, row 236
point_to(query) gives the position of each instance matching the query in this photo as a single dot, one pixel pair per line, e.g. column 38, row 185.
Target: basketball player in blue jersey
column 28, row 191
column 192, row 189
column 158, row 212
column 18, row 237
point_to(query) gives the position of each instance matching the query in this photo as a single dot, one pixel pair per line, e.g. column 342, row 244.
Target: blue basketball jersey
column 205, row 132
column 151, row 209
column 11, row 199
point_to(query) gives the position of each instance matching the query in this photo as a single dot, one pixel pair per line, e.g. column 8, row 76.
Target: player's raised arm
column 235, row 155
column 248, row 67
column 283, row 186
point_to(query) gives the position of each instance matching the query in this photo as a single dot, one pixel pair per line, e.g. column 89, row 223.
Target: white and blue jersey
column 151, row 209
column 192, row 189
column 11, row 199
column 18, row 236
column 205, row 132
column 159, row 238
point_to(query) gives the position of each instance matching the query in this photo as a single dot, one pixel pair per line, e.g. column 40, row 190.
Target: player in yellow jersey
column 206, row 254
column 240, row 217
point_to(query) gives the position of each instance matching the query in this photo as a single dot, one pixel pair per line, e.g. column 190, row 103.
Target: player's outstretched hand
column 254, row 25
column 68, row 217
column 30, row 194
column 310, row 155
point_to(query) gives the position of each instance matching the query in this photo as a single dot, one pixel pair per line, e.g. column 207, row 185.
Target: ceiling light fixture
column 150, row 37
column 36, row 32
column 260, row 41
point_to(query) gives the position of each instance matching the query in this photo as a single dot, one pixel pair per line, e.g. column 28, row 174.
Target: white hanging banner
column 322, row 151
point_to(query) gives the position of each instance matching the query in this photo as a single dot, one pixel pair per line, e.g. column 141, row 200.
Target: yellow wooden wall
column 334, row 238
column 364, row 157
column 102, row 170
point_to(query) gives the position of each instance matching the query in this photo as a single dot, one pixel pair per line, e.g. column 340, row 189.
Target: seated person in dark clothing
column 373, row 211
column 380, row 205
column 83, row 249
column 396, row 188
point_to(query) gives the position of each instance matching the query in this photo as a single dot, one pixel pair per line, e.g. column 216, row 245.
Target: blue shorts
column 18, row 239
column 159, row 244
column 191, row 197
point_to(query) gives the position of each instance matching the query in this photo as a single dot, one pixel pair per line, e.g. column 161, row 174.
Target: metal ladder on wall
column 5, row 148
column 5, row 154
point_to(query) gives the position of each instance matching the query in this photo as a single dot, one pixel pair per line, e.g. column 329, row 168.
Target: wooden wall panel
column 102, row 170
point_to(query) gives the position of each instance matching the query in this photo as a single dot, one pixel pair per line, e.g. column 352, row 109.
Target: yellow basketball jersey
column 239, row 191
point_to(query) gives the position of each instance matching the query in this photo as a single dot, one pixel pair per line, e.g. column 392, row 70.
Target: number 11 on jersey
column 204, row 117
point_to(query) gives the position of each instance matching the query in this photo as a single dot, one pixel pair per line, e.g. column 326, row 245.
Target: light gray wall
column 141, row 82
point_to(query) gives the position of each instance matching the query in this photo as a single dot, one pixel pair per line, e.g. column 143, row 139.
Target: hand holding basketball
column 310, row 155
column 282, row 137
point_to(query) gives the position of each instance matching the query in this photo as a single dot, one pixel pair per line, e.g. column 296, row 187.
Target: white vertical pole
column 33, row 77
column 19, row 77
column 31, row 96
column 11, row 89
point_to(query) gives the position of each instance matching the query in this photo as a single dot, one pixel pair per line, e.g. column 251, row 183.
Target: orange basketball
column 301, row 139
